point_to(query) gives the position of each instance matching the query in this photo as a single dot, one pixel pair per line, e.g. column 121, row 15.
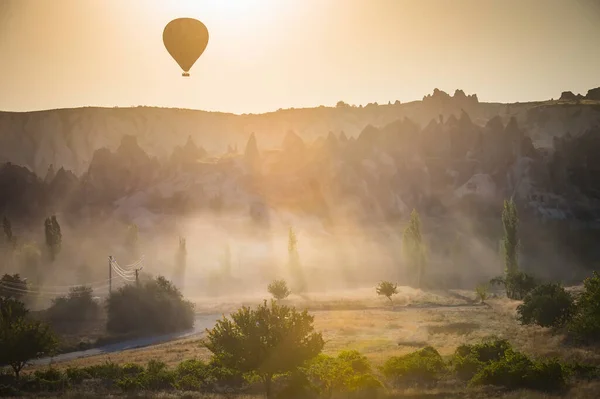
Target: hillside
column 69, row 137
column 355, row 186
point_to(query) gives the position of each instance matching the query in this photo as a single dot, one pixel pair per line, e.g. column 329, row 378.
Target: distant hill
column 68, row 137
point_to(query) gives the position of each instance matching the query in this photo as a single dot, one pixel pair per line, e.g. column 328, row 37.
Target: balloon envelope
column 185, row 39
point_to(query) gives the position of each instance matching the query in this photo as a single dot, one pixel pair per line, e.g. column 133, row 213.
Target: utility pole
column 137, row 271
column 109, row 274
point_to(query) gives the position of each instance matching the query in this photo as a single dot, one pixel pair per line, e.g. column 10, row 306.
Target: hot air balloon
column 185, row 39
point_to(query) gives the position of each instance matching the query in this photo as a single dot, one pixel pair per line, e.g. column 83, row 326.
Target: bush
column 279, row 289
column 193, row 375
column 547, row 305
column 583, row 371
column 51, row 380
column 157, row 376
column 154, row 307
column 482, row 291
column 77, row 375
column 517, row 371
column 420, row 368
column 78, row 305
column 348, row 373
column 468, row 360
column 517, row 284
column 586, row 322
column 106, row 371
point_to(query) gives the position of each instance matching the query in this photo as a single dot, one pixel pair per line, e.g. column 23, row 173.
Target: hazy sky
column 269, row 54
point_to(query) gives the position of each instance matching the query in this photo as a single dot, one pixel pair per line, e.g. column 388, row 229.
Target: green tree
column 53, row 236
column 413, row 248
column 457, row 252
column 299, row 283
column 511, row 244
column 586, row 323
column 181, row 262
column 9, row 237
column 279, row 289
column 267, row 341
column 387, row 289
column 22, row 339
column 517, row 283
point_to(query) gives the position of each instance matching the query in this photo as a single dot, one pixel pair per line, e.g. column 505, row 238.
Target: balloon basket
column 185, row 74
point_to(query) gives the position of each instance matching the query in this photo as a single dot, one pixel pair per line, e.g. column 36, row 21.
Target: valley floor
column 359, row 320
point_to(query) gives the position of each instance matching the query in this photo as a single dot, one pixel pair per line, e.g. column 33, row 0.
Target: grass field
column 360, row 320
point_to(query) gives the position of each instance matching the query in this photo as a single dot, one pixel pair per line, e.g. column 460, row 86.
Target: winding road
column 201, row 323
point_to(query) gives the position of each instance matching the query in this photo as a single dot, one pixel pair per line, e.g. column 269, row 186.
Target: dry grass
column 360, row 320
column 581, row 391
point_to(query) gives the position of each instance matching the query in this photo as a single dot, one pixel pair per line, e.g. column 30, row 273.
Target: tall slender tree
column 7, row 227
column 413, row 248
column 299, row 283
column 53, row 237
column 180, row 262
column 510, row 242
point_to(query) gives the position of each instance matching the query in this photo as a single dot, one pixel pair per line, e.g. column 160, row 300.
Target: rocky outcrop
column 569, row 96
column 112, row 175
column 593, row 94
column 22, row 193
column 252, row 157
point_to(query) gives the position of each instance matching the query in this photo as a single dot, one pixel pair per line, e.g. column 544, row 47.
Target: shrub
column 482, row 291
column 50, row 380
column 157, row 376
column 516, row 371
column 106, row 371
column 387, row 289
column 583, row 371
column 154, row 307
column 586, row 322
column 470, row 359
column 78, row 305
column 132, row 369
column 420, row 368
column 77, row 375
column 518, row 284
column 547, row 305
column 193, row 375
column 348, row 373
column 279, row 289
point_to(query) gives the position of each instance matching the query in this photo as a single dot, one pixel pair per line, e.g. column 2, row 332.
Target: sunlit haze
column 268, row 54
